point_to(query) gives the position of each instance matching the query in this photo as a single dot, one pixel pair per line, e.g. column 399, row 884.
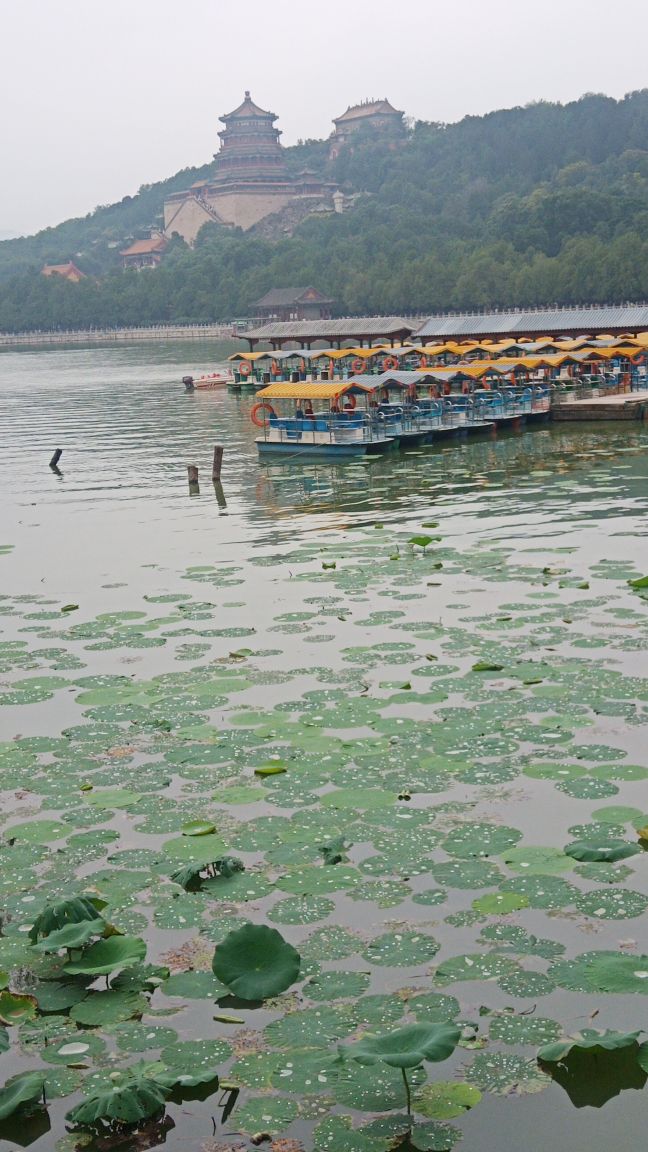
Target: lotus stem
column 408, row 1096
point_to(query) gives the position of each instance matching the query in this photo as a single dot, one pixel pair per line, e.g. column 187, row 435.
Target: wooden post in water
column 192, row 476
column 220, row 495
column 56, row 457
column 218, row 461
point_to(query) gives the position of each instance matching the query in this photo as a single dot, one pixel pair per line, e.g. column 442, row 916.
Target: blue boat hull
column 340, row 451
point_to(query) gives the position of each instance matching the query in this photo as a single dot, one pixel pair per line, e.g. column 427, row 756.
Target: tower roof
column 368, row 108
column 246, row 109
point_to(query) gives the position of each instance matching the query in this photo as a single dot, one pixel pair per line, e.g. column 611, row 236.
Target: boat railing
column 322, row 427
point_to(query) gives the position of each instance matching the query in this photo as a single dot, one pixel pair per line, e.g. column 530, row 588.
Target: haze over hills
column 547, row 203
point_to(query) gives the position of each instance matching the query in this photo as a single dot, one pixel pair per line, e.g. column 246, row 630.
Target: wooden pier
column 626, row 406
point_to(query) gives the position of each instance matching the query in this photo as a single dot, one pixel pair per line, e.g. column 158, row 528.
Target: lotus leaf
column 256, row 962
column 408, row 1047
column 71, row 911
column 110, row 1007
column 198, row 828
column 589, row 1041
column 71, row 935
column 23, row 1089
column 443, row 1100
column 14, row 1007
column 108, row 955
column 127, row 1104
column 609, row 849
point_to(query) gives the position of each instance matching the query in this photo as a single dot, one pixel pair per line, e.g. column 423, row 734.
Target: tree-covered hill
column 520, row 207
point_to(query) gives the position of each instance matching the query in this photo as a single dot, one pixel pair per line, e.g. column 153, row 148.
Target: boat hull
column 330, row 451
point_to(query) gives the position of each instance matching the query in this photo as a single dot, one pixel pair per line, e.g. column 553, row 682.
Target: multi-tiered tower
column 250, row 178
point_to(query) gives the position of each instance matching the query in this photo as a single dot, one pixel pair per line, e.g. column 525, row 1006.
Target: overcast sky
column 100, row 96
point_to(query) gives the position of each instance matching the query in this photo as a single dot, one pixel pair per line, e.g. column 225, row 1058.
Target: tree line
column 535, row 205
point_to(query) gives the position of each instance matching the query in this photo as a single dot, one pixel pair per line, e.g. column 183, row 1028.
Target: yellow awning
column 318, row 390
column 251, row 355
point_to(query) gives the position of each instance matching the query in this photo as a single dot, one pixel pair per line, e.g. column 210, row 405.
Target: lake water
column 345, row 653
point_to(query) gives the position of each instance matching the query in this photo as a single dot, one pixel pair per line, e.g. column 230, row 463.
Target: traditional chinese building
column 250, row 181
column 373, row 115
column 67, row 271
column 144, row 253
column 294, row 304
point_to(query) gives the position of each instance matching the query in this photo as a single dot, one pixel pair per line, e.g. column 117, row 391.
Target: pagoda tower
column 250, row 149
column 250, row 180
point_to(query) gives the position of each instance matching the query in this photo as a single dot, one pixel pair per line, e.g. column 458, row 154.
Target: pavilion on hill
column 375, row 115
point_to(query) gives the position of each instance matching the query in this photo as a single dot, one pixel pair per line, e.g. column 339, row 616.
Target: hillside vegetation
column 542, row 204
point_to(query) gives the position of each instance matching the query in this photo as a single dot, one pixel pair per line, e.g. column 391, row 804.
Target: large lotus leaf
column 408, row 1047
column 71, row 911
column 124, row 1105
column 590, row 1041
column 71, row 935
column 22, row 1089
column 107, row 955
column 256, row 962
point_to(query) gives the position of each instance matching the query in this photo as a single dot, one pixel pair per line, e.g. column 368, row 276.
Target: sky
column 98, row 97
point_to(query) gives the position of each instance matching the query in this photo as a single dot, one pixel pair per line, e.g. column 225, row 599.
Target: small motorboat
column 208, row 382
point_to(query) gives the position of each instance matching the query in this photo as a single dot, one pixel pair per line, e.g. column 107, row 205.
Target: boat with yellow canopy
column 318, row 420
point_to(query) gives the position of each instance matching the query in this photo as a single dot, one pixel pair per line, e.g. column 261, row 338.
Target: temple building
column 67, row 271
column 144, row 253
column 294, row 304
column 250, row 181
column 374, row 115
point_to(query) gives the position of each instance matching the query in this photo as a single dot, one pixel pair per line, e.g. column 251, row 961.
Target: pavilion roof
column 143, row 247
column 355, row 328
column 627, row 318
column 278, row 297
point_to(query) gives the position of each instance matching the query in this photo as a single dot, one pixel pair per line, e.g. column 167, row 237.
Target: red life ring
column 357, row 365
column 331, row 368
column 433, row 392
column 389, row 363
column 350, row 401
column 423, row 362
column 447, row 388
column 412, row 392
column 265, row 407
column 465, row 388
column 244, row 369
column 302, row 365
column 274, row 368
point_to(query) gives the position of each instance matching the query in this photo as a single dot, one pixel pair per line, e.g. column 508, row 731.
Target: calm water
column 119, row 522
column 128, row 431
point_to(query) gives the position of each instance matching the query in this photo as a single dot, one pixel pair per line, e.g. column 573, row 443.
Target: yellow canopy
column 318, row 390
column 250, row 355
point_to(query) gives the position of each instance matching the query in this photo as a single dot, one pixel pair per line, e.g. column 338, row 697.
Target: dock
column 625, row 406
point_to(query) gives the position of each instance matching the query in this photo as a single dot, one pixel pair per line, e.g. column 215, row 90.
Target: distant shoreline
column 118, row 335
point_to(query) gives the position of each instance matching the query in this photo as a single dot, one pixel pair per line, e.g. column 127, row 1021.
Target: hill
column 542, row 204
